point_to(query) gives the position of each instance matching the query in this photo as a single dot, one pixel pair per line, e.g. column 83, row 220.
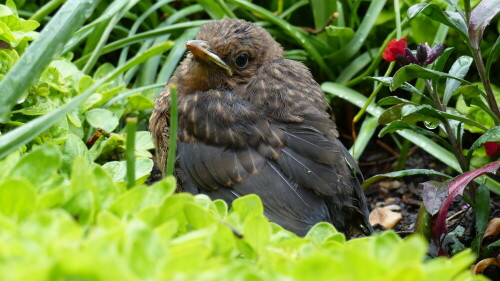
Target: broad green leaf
column 412, row 71
column 72, row 148
column 143, row 143
column 47, row 47
column 392, row 100
column 17, row 198
column 118, row 169
column 442, row 59
column 39, row 165
column 198, row 217
column 102, row 118
column 247, row 206
column 257, row 231
column 433, row 11
column 321, row 232
column 82, row 206
column 19, row 136
column 400, row 125
column 459, row 69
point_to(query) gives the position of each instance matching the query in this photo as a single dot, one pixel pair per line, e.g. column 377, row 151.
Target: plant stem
column 490, row 96
column 130, row 151
column 46, row 10
column 451, row 136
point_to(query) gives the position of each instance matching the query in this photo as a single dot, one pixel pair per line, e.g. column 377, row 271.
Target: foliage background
column 64, row 201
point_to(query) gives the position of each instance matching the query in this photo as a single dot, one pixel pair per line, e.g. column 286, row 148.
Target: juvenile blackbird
column 251, row 121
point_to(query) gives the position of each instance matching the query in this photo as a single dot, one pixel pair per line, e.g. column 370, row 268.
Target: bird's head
column 225, row 54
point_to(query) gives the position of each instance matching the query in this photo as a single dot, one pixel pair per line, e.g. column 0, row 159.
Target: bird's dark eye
column 241, row 60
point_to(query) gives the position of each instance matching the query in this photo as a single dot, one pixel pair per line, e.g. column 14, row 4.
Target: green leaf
column 492, row 135
column 412, row 71
column 72, row 148
column 248, row 205
column 39, row 165
column 398, row 174
column 19, row 136
column 118, row 169
column 82, row 206
column 47, row 47
column 337, row 31
column 320, row 232
column 433, row 11
column 143, row 143
column 392, row 100
column 482, row 211
column 197, row 216
column 257, row 231
column 17, row 198
column 365, row 27
column 494, row 53
column 442, row 59
column 459, row 69
column 401, row 125
column 139, row 102
column 102, row 118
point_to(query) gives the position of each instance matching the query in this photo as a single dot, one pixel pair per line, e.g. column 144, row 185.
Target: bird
column 252, row 122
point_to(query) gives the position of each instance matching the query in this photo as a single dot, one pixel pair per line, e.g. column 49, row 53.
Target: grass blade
column 22, row 135
column 40, row 53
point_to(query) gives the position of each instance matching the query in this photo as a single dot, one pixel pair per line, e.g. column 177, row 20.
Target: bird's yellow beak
column 201, row 50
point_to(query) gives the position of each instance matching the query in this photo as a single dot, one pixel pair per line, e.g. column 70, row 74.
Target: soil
column 406, row 194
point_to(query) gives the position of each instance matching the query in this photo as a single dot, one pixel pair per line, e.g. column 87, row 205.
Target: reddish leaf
column 455, row 188
column 395, row 48
column 433, row 195
column 480, row 17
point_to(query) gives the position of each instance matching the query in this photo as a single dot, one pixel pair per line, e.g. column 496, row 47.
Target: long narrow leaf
column 40, row 53
column 359, row 38
column 22, row 135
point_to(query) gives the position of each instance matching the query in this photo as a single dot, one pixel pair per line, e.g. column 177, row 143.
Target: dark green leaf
column 494, row 53
column 392, row 100
column 492, row 135
column 412, row 71
column 482, row 212
column 459, row 69
column 398, row 174
column 442, row 59
column 400, row 125
column 433, row 11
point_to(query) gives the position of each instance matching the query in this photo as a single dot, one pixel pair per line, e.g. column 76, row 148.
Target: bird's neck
column 193, row 76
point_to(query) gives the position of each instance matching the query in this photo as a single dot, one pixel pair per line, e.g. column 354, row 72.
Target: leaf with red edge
column 395, row 48
column 480, row 17
column 455, row 188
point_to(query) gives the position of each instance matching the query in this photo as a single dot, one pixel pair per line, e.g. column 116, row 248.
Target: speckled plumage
column 262, row 130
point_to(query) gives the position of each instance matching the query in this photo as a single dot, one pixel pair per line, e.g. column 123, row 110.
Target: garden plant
column 80, row 195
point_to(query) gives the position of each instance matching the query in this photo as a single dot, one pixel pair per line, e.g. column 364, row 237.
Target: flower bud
column 434, row 53
column 421, row 54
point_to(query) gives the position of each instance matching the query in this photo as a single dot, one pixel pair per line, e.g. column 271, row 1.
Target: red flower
column 491, row 148
column 395, row 48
